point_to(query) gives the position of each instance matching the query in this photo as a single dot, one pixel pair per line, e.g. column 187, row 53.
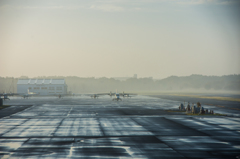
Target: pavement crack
column 53, row 133
column 15, row 127
column 101, row 127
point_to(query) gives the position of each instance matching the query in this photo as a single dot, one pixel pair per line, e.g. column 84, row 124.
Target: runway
column 139, row 127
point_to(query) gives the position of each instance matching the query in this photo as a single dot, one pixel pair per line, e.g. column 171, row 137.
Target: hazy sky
column 115, row 38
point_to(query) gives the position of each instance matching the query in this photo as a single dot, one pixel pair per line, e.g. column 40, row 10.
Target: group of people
column 199, row 109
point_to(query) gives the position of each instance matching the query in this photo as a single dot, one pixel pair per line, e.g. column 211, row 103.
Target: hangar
column 42, row 86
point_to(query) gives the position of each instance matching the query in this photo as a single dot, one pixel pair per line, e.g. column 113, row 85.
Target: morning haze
column 119, row 38
column 120, row 79
column 194, row 84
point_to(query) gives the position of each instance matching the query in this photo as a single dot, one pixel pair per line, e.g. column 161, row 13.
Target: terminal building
column 42, row 86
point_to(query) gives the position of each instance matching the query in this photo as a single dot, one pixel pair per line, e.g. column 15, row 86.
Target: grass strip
column 4, row 106
column 207, row 97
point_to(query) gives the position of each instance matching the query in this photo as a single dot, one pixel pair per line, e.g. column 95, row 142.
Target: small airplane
column 100, row 94
column 28, row 94
column 95, row 95
column 5, row 95
column 127, row 94
column 116, row 95
column 68, row 94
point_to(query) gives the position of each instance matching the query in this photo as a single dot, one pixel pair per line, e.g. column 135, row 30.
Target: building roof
column 41, row 81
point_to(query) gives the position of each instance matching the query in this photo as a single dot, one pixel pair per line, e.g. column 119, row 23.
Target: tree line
column 172, row 83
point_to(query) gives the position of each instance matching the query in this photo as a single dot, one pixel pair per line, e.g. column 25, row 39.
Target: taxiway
column 80, row 127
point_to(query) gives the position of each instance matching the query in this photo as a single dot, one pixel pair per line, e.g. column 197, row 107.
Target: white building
column 42, row 86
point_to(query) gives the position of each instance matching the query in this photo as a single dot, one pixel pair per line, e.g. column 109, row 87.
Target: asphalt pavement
column 139, row 127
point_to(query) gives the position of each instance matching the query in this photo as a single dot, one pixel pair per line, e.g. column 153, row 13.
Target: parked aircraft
column 127, row 94
column 28, row 94
column 117, row 95
column 68, row 94
column 24, row 95
column 95, row 95
column 5, row 95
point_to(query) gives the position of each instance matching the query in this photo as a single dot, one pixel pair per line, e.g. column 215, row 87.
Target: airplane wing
column 88, row 94
column 96, row 94
column 62, row 95
column 106, row 94
column 99, row 94
column 127, row 94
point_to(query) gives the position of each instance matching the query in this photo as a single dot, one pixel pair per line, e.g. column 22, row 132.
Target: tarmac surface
column 139, row 127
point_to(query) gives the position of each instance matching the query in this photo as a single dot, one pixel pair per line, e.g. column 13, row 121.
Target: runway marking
column 54, row 131
column 69, row 111
column 15, row 127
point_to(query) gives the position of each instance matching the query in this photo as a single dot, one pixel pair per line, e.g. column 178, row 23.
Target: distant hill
column 172, row 83
column 227, row 82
